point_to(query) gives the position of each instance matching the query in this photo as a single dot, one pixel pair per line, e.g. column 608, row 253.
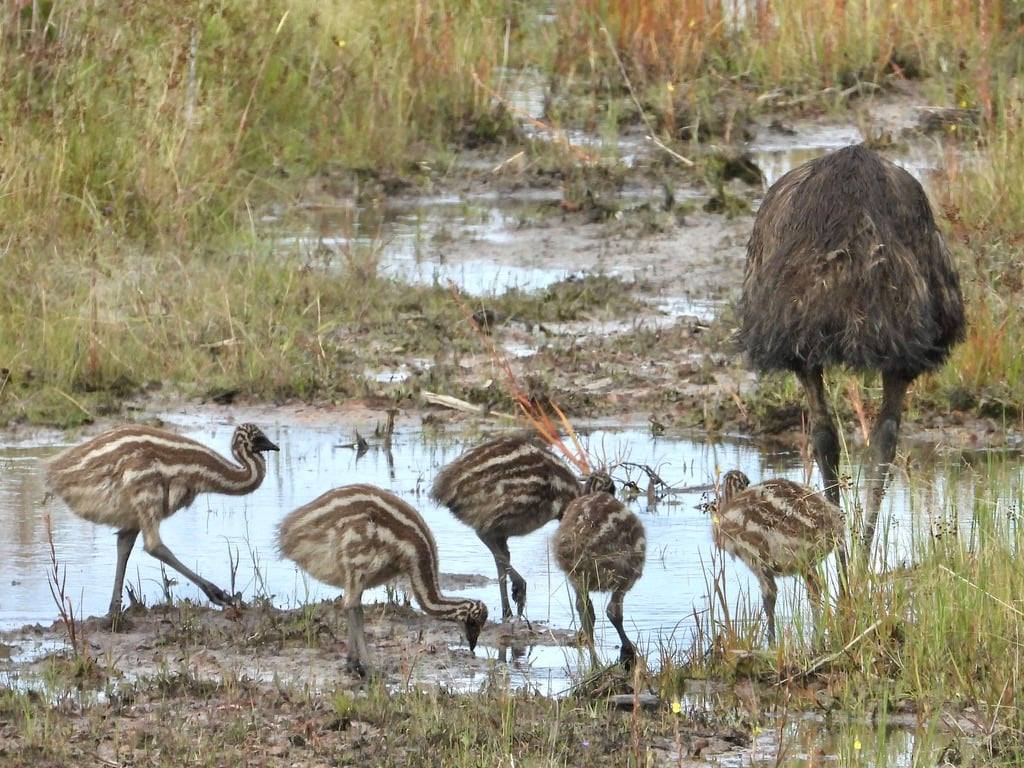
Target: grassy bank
column 94, row 329
column 141, row 139
column 170, row 119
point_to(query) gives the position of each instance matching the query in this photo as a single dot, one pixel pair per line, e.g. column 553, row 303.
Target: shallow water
column 659, row 610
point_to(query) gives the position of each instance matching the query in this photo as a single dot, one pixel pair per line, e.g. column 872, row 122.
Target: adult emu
column 845, row 266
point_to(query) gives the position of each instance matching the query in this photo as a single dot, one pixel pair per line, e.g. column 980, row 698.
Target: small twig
column 506, row 162
column 74, row 402
column 102, row 760
column 660, row 145
column 651, row 474
column 447, row 401
column 832, row 656
column 57, row 578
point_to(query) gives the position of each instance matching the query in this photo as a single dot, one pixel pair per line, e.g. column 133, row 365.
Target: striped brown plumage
column 134, row 477
column 507, row 486
column 601, row 546
column 777, row 528
column 358, row 537
column 846, row 266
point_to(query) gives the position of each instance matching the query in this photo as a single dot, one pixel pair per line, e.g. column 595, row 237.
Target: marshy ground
column 280, row 244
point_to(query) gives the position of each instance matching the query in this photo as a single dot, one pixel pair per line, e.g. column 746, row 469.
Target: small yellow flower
column 339, row 42
column 671, row 88
column 963, row 103
column 693, row 23
column 677, row 708
column 856, row 744
column 952, row 129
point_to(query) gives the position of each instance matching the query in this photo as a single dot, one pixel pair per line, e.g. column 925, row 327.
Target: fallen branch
column 447, row 401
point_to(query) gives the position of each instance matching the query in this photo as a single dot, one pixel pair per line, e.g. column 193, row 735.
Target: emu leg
column 824, row 437
column 216, row 595
column 814, row 595
column 825, row 440
column 883, row 448
column 357, row 653
column 518, row 591
column 502, row 561
column 125, row 541
column 585, row 608
column 768, row 594
column 627, row 651
column 154, row 546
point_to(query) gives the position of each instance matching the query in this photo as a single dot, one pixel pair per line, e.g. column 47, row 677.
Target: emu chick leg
column 357, row 652
column 216, row 595
column 883, row 447
column 502, row 561
column 768, row 594
column 585, row 608
column 125, row 541
column 627, row 651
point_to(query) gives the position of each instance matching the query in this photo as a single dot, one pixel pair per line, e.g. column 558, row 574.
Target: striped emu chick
column 601, row 547
column 134, row 477
column 359, row 537
column 508, row 486
column 778, row 528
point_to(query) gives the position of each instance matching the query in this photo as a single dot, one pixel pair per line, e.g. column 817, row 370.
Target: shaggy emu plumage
column 845, row 266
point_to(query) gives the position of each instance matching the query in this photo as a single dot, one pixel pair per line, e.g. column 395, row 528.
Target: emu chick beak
column 263, row 444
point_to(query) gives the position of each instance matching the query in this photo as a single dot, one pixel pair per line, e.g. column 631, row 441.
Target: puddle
column 659, row 610
column 777, row 152
column 408, row 242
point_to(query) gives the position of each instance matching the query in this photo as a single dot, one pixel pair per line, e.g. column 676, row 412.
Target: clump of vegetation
column 574, row 298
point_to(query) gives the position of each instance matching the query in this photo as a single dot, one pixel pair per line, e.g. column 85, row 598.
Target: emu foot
column 356, row 667
column 116, row 621
column 218, row 596
column 519, row 596
column 627, row 656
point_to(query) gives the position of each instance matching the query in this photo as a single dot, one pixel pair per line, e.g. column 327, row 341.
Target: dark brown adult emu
column 845, row 266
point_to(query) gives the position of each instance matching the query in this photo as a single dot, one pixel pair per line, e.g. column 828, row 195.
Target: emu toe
column 116, row 621
column 356, row 667
column 218, row 596
column 627, row 656
column 519, row 597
